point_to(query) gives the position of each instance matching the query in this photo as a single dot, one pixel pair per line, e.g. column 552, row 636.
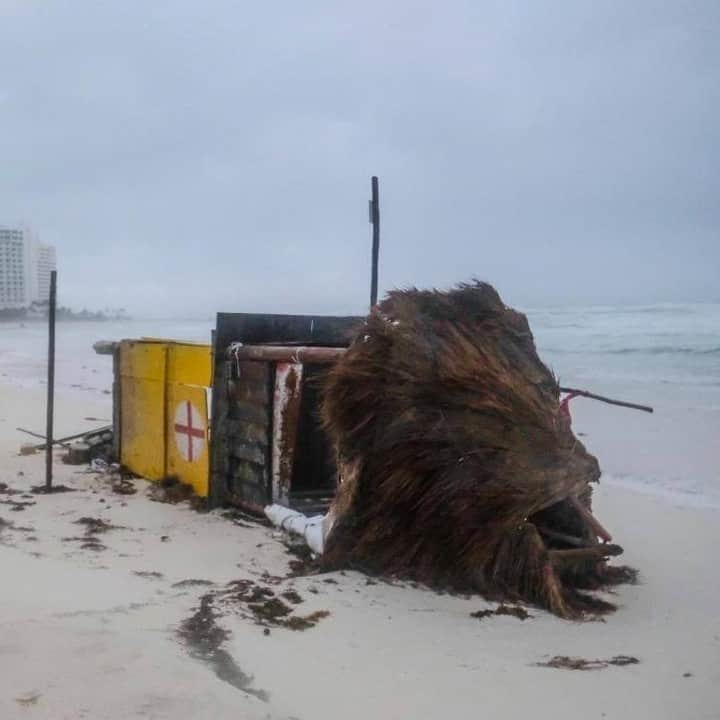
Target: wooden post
column 375, row 220
column 50, row 382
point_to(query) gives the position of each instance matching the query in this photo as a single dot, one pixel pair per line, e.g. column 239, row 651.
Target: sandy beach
column 94, row 630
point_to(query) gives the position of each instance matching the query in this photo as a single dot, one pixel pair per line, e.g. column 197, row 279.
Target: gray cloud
column 189, row 157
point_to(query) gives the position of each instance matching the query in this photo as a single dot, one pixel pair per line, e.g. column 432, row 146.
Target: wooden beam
column 287, row 353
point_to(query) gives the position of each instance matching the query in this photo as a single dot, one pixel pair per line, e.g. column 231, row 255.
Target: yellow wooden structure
column 163, row 399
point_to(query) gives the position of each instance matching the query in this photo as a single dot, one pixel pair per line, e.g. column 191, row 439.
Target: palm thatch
column 457, row 468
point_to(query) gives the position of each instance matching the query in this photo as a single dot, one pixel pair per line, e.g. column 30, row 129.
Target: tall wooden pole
column 50, row 382
column 375, row 220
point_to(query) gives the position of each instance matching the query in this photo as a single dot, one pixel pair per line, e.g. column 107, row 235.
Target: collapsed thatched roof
column 457, row 468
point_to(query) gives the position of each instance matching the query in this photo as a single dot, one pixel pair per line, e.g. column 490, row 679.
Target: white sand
column 83, row 636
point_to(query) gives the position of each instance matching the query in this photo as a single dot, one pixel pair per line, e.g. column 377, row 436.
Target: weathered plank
column 258, row 329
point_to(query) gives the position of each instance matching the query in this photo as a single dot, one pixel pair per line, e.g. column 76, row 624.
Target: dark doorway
column 315, row 472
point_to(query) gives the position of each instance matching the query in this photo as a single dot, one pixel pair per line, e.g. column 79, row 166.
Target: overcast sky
column 187, row 157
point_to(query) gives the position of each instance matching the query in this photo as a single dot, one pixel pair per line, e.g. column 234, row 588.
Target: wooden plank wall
column 240, row 445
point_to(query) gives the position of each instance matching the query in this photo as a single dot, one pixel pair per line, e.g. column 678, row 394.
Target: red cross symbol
column 188, row 431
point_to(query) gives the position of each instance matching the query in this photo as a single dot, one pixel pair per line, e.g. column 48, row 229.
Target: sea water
column 666, row 356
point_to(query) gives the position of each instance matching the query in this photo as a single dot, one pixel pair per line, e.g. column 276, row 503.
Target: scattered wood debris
column 514, row 610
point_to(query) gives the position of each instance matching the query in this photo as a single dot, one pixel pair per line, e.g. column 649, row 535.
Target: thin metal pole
column 375, row 220
column 50, row 382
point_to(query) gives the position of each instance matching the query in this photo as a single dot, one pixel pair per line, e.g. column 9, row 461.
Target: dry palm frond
column 457, row 468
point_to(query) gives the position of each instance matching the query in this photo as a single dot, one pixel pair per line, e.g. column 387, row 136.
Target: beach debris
column 575, row 663
column 458, row 468
column 270, row 610
column 124, row 487
column 574, row 392
column 244, row 519
column 205, row 639
column 78, row 454
column 310, row 529
column 105, row 347
column 45, row 490
column 292, row 596
column 93, row 526
column 266, row 607
column 16, row 505
column 192, row 582
column 28, row 699
column 304, row 622
column 5, row 489
column 513, row 610
column 104, row 433
column 100, row 465
column 303, row 562
column 171, row 490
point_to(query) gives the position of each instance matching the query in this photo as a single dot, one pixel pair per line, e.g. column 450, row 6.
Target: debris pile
column 457, row 467
column 565, row 662
column 80, row 448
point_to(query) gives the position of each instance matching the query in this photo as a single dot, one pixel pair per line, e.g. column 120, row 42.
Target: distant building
column 25, row 267
column 13, row 289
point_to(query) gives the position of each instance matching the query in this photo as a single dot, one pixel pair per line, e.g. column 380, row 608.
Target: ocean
column 667, row 344
column 666, row 356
